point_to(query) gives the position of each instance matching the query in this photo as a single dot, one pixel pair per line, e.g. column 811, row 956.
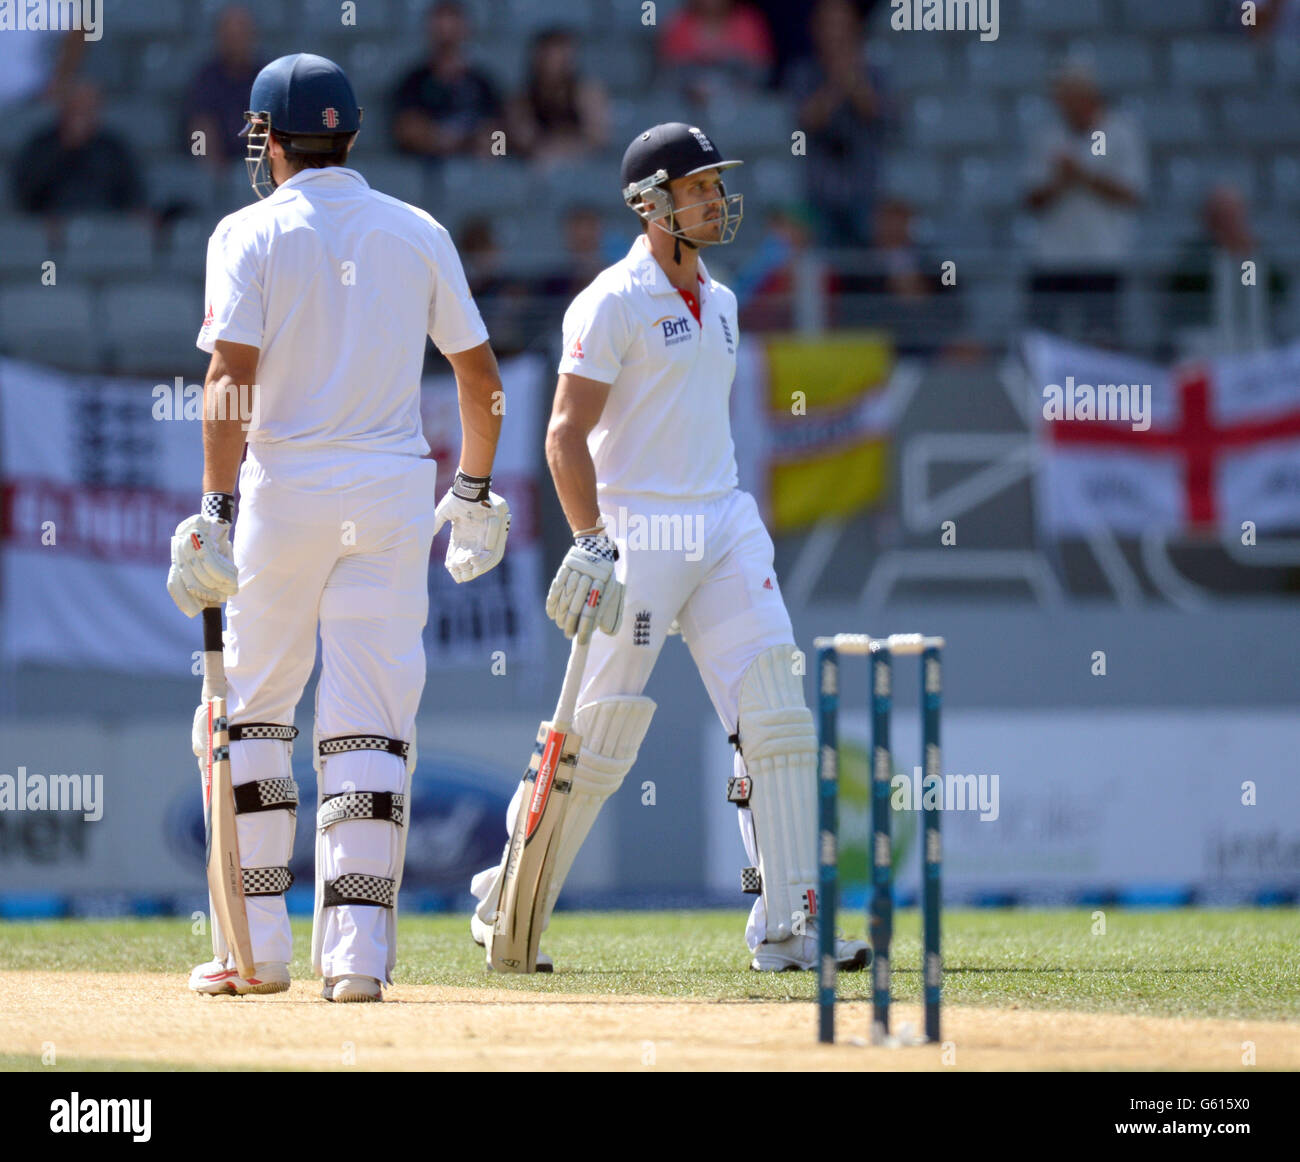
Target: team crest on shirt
column 675, row 329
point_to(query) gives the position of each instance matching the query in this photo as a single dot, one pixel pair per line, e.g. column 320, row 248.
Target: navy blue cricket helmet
column 307, row 102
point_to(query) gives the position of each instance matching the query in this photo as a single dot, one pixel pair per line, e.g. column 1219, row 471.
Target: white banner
column 1067, row 805
column 96, row 472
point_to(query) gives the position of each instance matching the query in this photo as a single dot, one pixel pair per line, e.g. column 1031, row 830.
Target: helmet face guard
column 258, row 132
column 652, row 202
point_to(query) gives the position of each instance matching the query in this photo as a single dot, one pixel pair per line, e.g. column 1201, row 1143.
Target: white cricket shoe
column 481, row 930
column 799, row 954
column 214, row 979
column 352, row 989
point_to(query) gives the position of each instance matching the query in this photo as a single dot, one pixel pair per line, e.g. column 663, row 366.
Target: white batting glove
column 586, row 578
column 203, row 569
column 480, row 522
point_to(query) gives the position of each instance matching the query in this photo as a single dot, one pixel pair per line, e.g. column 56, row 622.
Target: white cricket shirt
column 337, row 285
column 665, row 429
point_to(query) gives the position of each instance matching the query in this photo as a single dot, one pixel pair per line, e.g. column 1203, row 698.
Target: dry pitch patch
column 152, row 1019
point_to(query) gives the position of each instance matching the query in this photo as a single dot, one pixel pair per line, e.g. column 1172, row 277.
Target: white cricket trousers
column 336, row 541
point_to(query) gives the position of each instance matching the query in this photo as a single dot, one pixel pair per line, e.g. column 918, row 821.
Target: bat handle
column 214, row 673
column 565, row 707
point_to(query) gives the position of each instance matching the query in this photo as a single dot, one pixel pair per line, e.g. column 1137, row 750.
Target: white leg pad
column 779, row 748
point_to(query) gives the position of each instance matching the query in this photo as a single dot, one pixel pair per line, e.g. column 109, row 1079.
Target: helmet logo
column 331, row 118
column 705, row 143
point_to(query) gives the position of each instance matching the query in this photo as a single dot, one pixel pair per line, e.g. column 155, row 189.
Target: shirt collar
column 328, row 173
column 651, row 275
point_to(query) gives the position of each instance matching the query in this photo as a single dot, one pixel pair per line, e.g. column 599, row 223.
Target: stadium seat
column 1171, row 120
column 1007, row 63
column 988, row 184
column 23, row 247
column 165, row 69
column 107, row 244
column 324, row 18
column 131, row 17
column 942, row 123
column 373, row 67
column 1285, row 181
column 916, row 64
column 1145, row 16
column 398, row 177
column 1055, row 16
column 151, row 326
column 768, row 183
column 54, row 325
column 1263, row 121
column 526, row 17
column 19, row 123
column 916, row 177
column 591, row 182
column 1285, row 54
column 272, row 15
column 1121, row 65
column 624, row 65
column 1189, row 178
column 491, row 186
column 1032, row 113
column 184, row 185
column 146, row 123
column 187, row 246
column 1216, row 63
column 754, row 126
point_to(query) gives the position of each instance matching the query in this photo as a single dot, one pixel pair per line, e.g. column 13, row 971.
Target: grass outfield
column 1184, row 963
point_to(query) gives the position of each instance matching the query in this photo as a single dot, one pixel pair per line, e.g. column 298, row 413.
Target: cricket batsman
column 319, row 298
column 640, row 434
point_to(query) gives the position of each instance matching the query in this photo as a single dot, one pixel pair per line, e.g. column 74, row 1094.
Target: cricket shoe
column 214, row 979
column 799, row 954
column 352, row 989
column 481, row 930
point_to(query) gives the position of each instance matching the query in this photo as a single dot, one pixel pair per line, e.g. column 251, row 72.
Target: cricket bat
column 531, row 857
column 225, row 877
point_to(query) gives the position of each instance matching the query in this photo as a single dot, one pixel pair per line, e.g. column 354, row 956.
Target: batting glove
column 203, row 569
column 585, row 580
column 480, row 522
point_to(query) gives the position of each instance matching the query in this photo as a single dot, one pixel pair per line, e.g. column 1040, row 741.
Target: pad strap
column 343, row 743
column 243, row 731
column 266, row 881
column 751, row 881
column 359, row 888
column 738, row 790
column 389, row 806
column 266, row 795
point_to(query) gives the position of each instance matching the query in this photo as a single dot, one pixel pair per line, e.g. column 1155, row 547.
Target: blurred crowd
column 1084, row 206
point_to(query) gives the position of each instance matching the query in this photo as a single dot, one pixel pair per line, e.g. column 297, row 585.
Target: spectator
column 1086, row 202
column 585, row 254
column 218, row 95
column 1207, row 296
column 779, row 267
column 898, row 267
column 716, row 46
column 841, row 106
column 75, row 167
column 444, row 107
column 559, row 114
column 36, row 65
column 504, row 301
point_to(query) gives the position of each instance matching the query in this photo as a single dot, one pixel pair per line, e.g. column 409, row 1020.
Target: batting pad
column 779, row 748
column 611, row 730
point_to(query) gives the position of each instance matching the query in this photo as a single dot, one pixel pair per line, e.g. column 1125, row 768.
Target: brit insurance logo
column 675, row 328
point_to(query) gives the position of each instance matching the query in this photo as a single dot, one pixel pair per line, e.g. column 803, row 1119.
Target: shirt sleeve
column 234, row 305
column 454, row 321
column 596, row 337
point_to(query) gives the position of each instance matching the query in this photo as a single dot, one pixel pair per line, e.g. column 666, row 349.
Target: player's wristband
column 218, row 506
column 598, row 546
column 471, row 487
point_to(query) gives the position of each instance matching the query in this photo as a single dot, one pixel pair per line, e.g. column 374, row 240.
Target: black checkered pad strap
column 389, row 806
column 343, row 743
column 751, row 882
column 244, row 731
column 266, row 881
column 266, row 795
column 359, row 888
